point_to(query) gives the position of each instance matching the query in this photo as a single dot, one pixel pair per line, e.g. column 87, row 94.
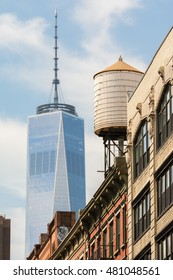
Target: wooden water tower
column 112, row 88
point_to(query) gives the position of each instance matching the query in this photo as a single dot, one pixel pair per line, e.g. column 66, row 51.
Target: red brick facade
column 101, row 231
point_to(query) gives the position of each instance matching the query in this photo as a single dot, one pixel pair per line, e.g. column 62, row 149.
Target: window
column 98, row 247
column 141, row 149
column 92, row 251
column 165, row 116
column 165, row 246
column 124, row 224
column 42, row 162
column 118, row 232
column 165, row 189
column 141, row 215
column 111, row 241
column 105, row 244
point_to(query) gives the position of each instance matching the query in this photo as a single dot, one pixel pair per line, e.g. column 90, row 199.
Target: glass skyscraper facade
column 55, row 170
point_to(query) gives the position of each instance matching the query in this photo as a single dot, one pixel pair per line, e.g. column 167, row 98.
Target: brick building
column 150, row 160
column 56, row 232
column 101, row 230
column 5, row 228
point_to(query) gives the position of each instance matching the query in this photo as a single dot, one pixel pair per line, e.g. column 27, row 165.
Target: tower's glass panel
column 42, row 144
column 55, row 172
column 74, row 146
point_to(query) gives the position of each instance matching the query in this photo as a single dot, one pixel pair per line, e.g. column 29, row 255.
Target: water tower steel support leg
column 105, row 159
column 109, row 156
column 121, row 146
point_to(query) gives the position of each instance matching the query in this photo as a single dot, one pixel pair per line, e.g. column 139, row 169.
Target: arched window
column 165, row 116
column 141, row 149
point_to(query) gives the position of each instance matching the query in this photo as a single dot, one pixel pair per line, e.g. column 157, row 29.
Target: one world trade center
column 55, row 162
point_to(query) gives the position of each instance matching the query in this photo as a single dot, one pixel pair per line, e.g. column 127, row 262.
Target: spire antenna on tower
column 56, row 80
column 56, row 105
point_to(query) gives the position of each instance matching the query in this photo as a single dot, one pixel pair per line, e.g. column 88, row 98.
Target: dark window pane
column 141, row 149
column 142, row 215
column 164, row 119
column 118, row 231
column 165, row 189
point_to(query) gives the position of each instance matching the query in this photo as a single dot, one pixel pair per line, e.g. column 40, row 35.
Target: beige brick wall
column 164, row 220
column 143, row 104
column 142, row 243
column 164, row 152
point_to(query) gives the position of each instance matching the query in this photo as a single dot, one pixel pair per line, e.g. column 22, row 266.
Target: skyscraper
column 55, row 162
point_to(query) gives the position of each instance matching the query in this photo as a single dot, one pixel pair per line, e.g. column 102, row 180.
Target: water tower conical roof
column 112, row 86
column 120, row 65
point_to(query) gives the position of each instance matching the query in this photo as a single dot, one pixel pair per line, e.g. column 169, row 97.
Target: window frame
column 165, row 250
column 105, row 237
column 124, row 224
column 141, row 149
column 165, row 116
column 118, row 231
column 111, row 238
column 164, row 184
column 141, row 213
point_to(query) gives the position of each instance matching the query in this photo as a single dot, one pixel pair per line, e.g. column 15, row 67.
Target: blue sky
column 92, row 35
